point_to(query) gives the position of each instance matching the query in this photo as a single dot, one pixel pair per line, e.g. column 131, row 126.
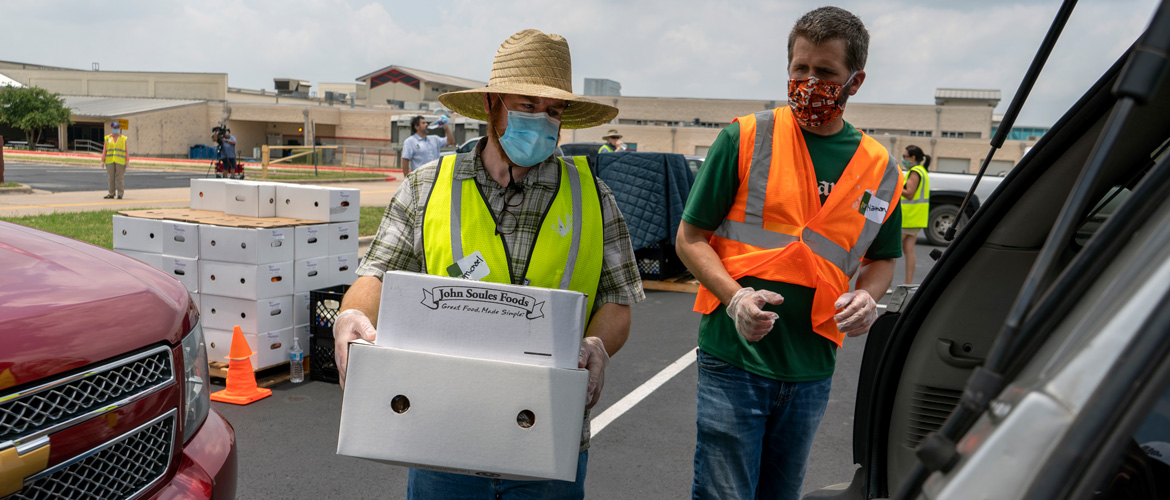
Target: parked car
column 694, row 162
column 103, row 378
column 946, row 195
column 586, row 149
column 1033, row 362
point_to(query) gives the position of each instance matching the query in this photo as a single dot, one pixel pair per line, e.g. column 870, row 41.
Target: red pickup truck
column 103, row 378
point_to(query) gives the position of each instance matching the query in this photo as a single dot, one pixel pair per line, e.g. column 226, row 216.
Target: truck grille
column 66, row 401
column 119, row 469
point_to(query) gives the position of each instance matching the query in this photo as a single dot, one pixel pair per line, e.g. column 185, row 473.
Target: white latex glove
column 351, row 324
column 751, row 321
column 594, row 358
column 856, row 312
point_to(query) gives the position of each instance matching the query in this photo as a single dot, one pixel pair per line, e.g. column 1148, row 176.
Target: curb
column 365, row 240
column 21, row 189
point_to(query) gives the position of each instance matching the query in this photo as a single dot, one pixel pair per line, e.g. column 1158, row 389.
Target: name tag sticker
column 473, row 267
column 876, row 209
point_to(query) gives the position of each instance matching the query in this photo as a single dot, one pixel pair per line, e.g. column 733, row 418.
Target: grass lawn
column 91, row 227
column 369, row 220
column 98, row 227
column 9, row 184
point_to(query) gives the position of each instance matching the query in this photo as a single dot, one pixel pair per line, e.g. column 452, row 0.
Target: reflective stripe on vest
column 779, row 230
column 605, row 148
column 115, row 150
column 916, row 211
column 568, row 250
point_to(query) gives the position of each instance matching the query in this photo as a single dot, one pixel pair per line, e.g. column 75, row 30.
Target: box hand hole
column 526, row 419
column 400, row 404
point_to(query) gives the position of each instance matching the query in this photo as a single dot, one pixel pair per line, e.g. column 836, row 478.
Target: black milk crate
column 324, row 305
column 322, row 366
column 658, row 261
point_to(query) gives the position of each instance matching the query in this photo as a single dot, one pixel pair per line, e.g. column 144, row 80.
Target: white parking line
column 637, row 395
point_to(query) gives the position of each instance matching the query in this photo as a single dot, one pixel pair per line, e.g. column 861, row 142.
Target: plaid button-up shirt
column 398, row 244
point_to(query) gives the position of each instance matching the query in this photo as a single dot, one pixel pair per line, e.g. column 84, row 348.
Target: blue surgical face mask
column 530, row 137
column 907, row 163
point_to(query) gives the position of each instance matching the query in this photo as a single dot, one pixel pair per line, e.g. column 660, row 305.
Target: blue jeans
column 754, row 433
column 425, row 485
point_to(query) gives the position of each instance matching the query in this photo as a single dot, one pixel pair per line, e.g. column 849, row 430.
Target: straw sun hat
column 534, row 64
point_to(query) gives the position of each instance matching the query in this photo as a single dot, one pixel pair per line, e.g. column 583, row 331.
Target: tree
column 31, row 109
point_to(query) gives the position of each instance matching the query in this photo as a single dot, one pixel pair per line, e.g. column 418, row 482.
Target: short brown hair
column 830, row 23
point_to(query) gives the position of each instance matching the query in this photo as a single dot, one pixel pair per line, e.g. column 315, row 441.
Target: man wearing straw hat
column 613, row 142
column 526, row 203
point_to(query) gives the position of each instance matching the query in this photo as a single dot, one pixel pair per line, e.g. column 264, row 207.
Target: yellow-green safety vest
column 568, row 250
column 605, row 148
column 916, row 211
column 115, row 149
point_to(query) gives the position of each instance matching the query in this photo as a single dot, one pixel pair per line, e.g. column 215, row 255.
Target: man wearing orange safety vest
column 790, row 204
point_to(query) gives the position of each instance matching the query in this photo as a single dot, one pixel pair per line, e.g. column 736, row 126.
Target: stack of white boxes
column 245, row 270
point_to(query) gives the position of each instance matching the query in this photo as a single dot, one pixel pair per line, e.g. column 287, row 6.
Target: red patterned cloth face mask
column 815, row 102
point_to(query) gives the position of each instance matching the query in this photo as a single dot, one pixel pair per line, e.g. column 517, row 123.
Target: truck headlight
column 197, row 385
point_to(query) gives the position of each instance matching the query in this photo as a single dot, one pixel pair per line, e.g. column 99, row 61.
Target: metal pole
column 1, row 159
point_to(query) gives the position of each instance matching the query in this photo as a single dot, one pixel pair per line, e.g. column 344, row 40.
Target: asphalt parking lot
column 58, row 178
column 287, row 442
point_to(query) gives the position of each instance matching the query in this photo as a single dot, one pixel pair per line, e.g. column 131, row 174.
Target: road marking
column 119, row 202
column 637, row 395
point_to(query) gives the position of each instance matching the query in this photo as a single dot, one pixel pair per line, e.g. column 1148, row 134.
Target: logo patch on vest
column 873, row 208
column 473, row 267
column 563, row 228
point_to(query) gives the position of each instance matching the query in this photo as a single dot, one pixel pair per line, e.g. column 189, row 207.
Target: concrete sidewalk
column 374, row 193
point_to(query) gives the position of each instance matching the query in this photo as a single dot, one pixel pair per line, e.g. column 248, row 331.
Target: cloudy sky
column 669, row 48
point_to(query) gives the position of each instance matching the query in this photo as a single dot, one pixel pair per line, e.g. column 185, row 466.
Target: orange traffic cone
column 241, row 381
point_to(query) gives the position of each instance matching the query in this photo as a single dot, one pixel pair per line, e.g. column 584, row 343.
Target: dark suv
column 103, row 378
column 1033, row 362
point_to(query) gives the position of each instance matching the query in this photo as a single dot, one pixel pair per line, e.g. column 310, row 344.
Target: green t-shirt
column 792, row 352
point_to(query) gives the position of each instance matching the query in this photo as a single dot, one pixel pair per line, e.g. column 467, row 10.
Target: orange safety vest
column 777, row 229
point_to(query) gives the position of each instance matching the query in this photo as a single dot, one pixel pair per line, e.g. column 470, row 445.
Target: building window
column 952, row 135
column 870, row 131
column 434, row 89
column 921, row 133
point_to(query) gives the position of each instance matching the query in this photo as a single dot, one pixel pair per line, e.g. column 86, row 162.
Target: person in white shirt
column 420, row 149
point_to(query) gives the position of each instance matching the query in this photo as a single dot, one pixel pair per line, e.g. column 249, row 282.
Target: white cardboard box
column 461, row 415
column 250, row 199
column 252, row 316
column 301, row 308
column 148, row 258
column 311, row 274
column 343, row 238
column 136, row 233
column 245, row 245
column 184, row 269
column 269, row 348
column 317, row 203
column 245, row 281
column 343, row 269
column 311, row 241
column 180, row 239
column 520, row 324
column 207, row 194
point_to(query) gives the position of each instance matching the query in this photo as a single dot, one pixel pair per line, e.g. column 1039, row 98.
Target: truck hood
column 65, row 304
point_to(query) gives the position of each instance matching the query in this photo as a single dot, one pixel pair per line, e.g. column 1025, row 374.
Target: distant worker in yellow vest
column 790, row 205
column 915, row 203
column 613, row 142
column 115, row 157
column 512, row 212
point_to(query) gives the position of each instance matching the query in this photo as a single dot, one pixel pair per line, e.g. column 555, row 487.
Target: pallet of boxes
column 250, row 253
